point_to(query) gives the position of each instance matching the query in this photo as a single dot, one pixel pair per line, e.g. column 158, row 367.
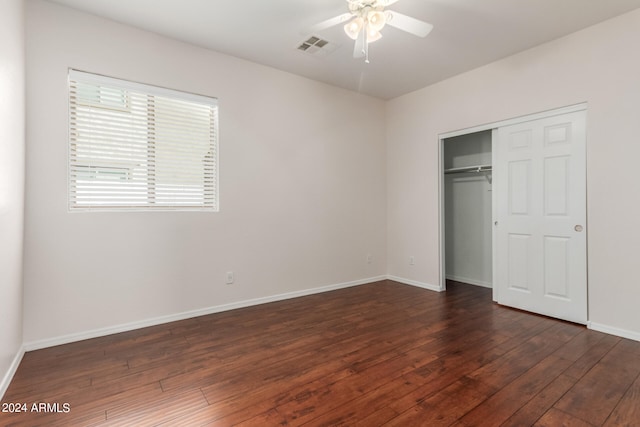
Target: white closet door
column 540, row 184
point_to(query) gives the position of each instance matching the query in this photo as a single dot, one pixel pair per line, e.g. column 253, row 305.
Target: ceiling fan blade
column 358, row 49
column 408, row 24
column 329, row 23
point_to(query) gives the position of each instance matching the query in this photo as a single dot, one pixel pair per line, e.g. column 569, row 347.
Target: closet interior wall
column 468, row 209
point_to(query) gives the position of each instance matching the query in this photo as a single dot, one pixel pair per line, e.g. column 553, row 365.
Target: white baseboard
column 624, row 333
column 6, row 380
column 415, row 283
column 470, row 281
column 65, row 339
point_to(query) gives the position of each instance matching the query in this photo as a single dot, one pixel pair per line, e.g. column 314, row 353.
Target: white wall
column 308, row 184
column 599, row 65
column 468, row 210
column 12, row 141
column 302, row 183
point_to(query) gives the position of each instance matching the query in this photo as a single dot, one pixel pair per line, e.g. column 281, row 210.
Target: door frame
column 441, row 181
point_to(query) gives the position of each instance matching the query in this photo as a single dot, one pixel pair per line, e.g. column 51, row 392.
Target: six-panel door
column 540, row 185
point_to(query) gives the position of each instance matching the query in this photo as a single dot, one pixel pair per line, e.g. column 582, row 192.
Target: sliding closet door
column 540, row 184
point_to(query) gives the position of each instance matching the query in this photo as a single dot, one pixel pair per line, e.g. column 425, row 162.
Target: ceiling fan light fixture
column 373, row 35
column 353, row 27
column 365, row 21
column 376, row 20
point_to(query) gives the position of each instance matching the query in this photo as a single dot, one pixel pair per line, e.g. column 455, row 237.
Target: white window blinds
column 134, row 146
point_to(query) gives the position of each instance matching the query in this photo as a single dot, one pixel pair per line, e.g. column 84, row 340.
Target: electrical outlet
column 412, row 260
column 369, row 259
column 229, row 280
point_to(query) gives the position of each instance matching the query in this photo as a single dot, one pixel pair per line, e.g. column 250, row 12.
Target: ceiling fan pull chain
column 366, row 45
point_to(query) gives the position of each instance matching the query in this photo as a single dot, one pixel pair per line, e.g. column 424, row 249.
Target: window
column 134, row 146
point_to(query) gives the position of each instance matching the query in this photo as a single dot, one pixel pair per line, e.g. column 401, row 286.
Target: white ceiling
column 467, row 34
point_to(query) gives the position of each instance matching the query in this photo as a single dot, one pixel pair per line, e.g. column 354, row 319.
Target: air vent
column 316, row 46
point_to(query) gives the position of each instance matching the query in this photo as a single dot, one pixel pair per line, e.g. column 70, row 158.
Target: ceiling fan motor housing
column 362, row 8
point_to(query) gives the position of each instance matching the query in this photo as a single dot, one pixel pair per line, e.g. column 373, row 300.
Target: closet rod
column 478, row 168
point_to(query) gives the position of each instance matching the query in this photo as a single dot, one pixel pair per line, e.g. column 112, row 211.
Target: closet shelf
column 469, row 169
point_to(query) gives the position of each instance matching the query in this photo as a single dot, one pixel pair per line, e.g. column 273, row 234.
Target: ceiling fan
column 366, row 18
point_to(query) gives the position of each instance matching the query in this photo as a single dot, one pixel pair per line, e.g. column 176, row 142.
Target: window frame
column 150, row 91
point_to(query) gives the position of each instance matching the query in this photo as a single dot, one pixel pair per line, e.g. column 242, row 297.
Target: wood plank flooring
column 382, row 354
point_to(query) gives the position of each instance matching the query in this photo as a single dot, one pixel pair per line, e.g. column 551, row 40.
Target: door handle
column 578, row 228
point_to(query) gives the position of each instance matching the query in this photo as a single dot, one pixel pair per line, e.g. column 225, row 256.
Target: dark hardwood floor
column 378, row 354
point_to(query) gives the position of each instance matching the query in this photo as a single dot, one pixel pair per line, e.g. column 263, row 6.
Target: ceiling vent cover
column 316, row 46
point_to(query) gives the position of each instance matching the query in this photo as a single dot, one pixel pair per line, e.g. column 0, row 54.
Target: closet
column 468, row 208
column 513, row 211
